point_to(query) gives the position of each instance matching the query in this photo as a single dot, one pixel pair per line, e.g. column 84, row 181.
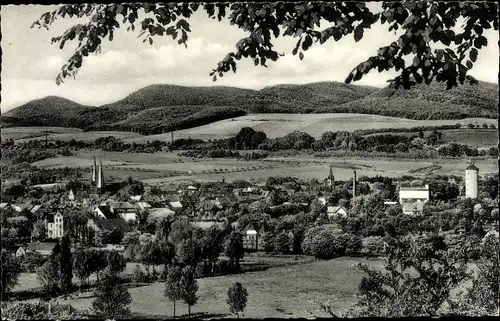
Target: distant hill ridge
column 161, row 108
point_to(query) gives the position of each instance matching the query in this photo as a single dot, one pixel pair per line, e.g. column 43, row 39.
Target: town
column 216, row 227
column 249, row 160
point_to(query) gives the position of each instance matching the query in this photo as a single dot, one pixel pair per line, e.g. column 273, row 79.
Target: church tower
column 100, row 177
column 331, row 178
column 94, row 173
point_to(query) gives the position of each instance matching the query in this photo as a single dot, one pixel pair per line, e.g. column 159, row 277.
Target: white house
column 143, row 205
column 412, row 199
column 54, row 225
column 336, row 211
column 176, row 206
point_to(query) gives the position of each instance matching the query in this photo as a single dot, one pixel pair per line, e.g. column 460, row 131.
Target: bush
column 354, row 244
column 139, row 276
column 373, row 245
column 31, row 261
column 39, row 311
column 318, row 242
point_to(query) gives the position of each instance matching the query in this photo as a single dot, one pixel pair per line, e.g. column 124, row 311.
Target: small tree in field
column 172, row 284
column 113, row 299
column 237, row 298
column 189, row 287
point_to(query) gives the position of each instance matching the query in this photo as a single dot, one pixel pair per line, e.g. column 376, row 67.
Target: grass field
column 277, row 292
column 17, row 133
column 160, row 167
column 472, row 137
column 85, row 136
column 277, row 125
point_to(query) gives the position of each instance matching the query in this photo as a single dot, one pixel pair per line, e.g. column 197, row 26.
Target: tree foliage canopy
column 423, row 24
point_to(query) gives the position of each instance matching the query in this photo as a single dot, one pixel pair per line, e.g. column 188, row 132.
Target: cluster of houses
column 109, row 214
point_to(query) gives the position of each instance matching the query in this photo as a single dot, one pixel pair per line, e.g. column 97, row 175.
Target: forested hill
column 162, row 108
column 432, row 101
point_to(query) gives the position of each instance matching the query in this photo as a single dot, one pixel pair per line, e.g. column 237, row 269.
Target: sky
column 30, row 63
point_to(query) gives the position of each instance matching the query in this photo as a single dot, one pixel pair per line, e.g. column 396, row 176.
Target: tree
column 482, row 297
column 65, row 264
column 212, row 246
column 283, row 243
column 150, row 253
column 81, row 265
column 418, row 277
column 113, row 299
column 11, row 268
column 39, row 231
column 237, row 298
column 172, row 284
column 116, row 263
column 189, row 287
column 234, row 249
column 423, row 23
column 48, row 276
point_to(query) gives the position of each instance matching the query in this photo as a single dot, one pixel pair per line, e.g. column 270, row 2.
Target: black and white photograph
column 227, row 160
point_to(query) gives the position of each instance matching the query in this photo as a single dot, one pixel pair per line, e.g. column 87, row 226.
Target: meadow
column 166, row 167
column 277, row 292
column 479, row 137
column 86, row 136
column 277, row 125
column 18, row 133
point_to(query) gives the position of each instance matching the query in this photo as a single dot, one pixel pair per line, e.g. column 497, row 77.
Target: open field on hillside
column 277, row 292
column 473, row 137
column 85, row 136
column 277, row 125
column 38, row 132
column 166, row 167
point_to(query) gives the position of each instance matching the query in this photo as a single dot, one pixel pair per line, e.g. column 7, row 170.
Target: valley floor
column 168, row 167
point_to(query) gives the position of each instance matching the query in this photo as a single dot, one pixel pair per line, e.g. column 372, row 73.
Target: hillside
column 157, row 109
column 427, row 102
column 49, row 111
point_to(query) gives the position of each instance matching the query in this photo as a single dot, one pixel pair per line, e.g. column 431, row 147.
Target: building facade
column 412, row 199
column 54, row 224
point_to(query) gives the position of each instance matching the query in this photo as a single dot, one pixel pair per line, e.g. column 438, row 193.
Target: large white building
column 54, row 224
column 412, row 199
column 471, row 181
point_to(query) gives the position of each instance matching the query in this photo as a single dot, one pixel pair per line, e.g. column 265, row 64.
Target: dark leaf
column 358, row 33
column 301, row 55
column 473, row 54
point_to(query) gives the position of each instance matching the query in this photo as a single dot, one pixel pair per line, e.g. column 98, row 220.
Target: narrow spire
column 94, row 172
column 100, row 176
column 331, row 177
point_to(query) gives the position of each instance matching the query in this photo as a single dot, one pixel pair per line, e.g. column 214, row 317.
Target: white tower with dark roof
column 471, row 181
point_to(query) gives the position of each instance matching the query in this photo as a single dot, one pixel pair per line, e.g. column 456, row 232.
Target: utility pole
column 172, row 137
column 46, row 132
